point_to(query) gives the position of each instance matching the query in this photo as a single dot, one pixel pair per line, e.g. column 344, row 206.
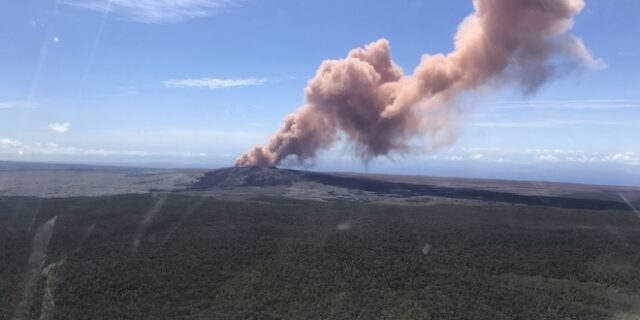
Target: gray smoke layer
column 368, row 99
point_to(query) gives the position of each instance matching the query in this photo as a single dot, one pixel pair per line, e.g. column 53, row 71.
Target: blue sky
column 198, row 82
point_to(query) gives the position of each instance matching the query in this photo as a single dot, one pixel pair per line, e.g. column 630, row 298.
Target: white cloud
column 214, row 83
column 548, row 157
column 477, row 156
column 154, row 11
column 59, row 128
column 8, row 143
column 627, row 157
column 11, row 146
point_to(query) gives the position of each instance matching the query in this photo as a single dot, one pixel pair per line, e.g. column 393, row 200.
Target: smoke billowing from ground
column 368, row 99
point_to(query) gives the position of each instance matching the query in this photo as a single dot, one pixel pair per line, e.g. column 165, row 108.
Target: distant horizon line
column 174, row 166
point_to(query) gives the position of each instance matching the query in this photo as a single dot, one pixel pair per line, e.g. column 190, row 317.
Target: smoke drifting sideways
column 368, row 99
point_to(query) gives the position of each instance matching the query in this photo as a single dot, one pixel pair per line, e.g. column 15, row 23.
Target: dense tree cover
column 272, row 258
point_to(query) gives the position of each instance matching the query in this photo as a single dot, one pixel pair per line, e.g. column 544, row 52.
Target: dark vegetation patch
column 275, row 258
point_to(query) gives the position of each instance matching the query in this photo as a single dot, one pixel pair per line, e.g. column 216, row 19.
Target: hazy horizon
column 522, row 172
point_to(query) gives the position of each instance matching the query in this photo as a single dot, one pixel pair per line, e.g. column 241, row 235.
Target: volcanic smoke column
column 367, row 97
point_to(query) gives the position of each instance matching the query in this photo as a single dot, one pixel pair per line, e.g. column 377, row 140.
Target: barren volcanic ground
column 88, row 242
column 56, row 180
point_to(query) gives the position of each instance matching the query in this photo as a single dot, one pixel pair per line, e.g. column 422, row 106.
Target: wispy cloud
column 154, row 11
column 543, row 155
column 162, row 143
column 571, row 104
column 16, row 147
column 9, row 143
column 12, row 104
column 547, row 123
column 215, row 83
column 59, row 128
column 548, row 157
